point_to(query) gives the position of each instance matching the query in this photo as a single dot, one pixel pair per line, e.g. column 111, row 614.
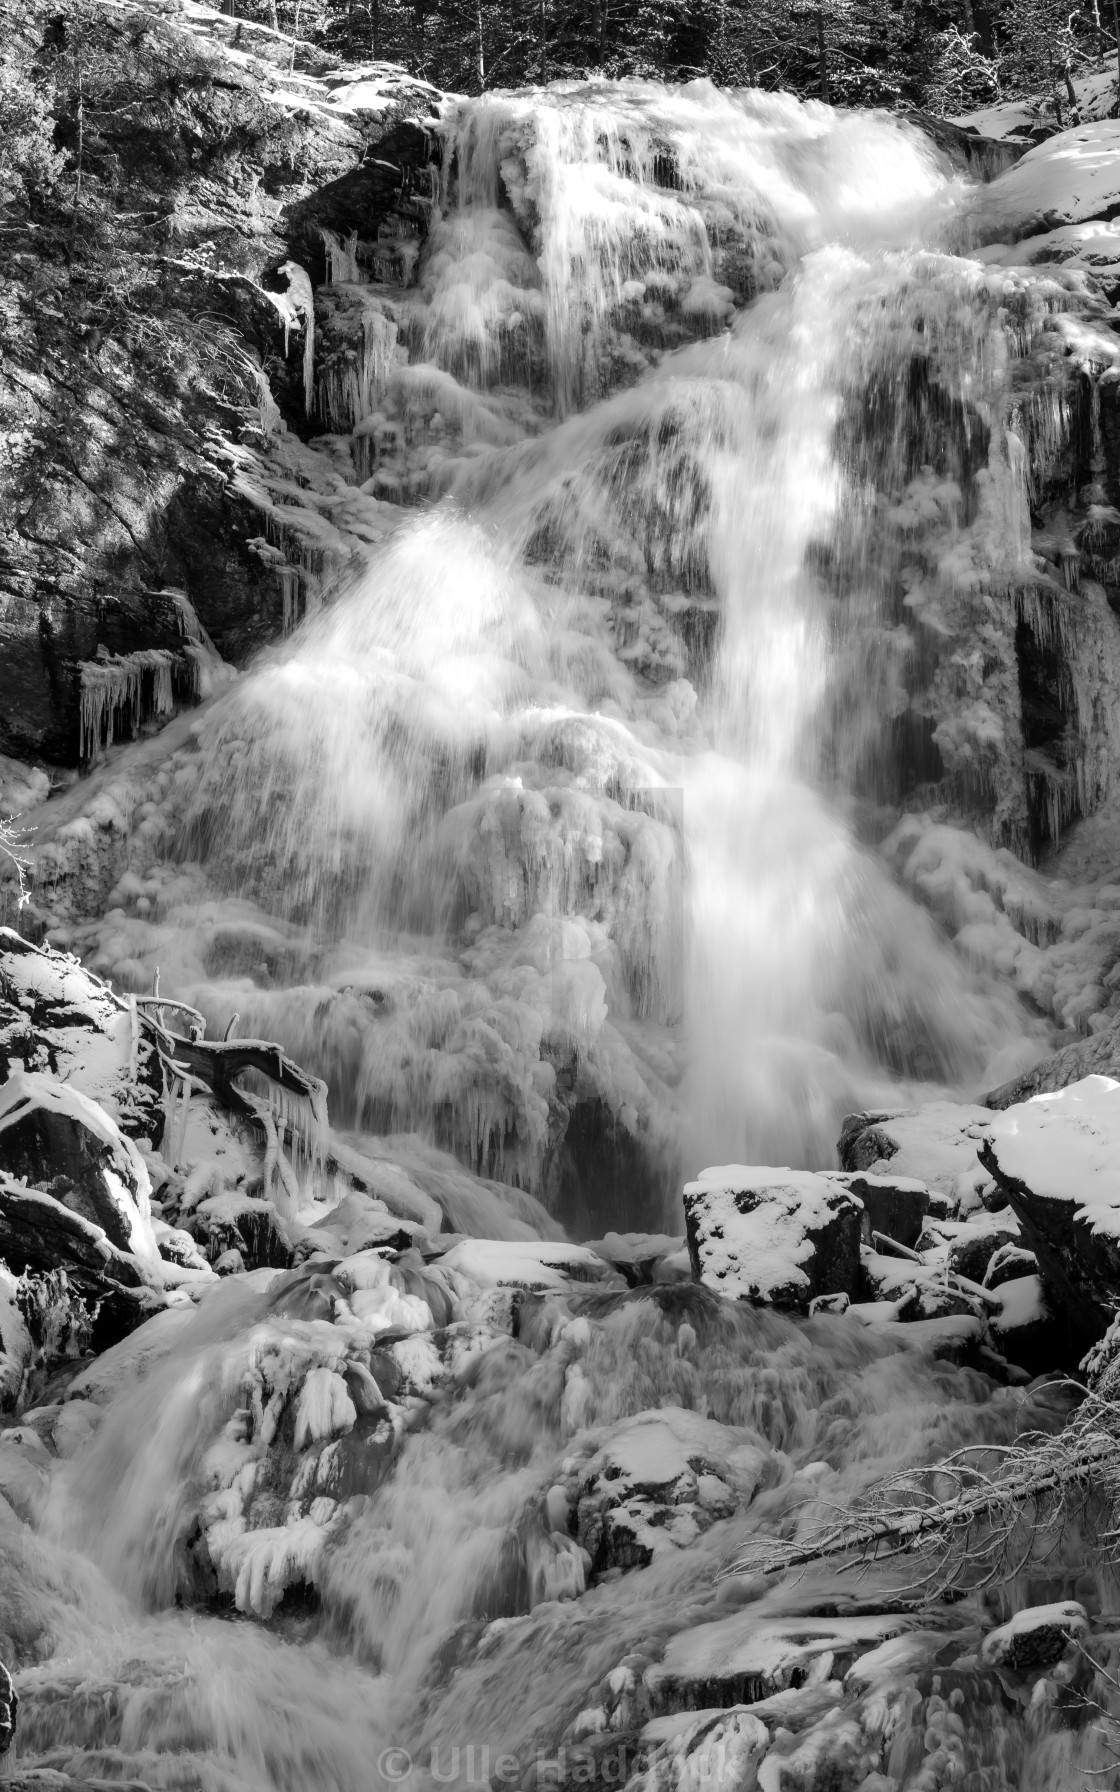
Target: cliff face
column 167, row 157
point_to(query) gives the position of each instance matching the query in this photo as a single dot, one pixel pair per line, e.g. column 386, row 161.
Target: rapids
column 549, row 842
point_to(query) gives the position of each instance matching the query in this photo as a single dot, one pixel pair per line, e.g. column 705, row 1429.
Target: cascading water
column 542, row 843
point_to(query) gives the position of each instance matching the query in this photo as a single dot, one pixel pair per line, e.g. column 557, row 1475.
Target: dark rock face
column 62, row 1156
column 129, row 337
column 1096, row 1056
column 983, row 158
column 38, row 1233
column 896, row 1209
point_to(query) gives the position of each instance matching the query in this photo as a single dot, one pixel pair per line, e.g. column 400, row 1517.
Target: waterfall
column 550, row 843
column 562, row 808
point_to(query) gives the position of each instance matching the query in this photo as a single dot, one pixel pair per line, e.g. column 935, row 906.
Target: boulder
column 641, row 1258
column 57, row 1018
column 55, row 1139
column 773, row 1236
column 38, row 1233
column 917, row 1290
column 658, row 1481
column 896, row 1206
column 1040, row 1640
column 1010, row 1261
column 1098, row 1055
column 747, row 1657
column 1025, row 1330
column 937, row 1144
column 973, row 1249
column 1056, row 1157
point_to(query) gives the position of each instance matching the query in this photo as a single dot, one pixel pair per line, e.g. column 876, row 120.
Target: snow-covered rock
column 58, row 1019
column 1069, row 179
column 780, row 1237
column 1036, row 1640
column 896, row 1206
column 58, row 1140
column 658, row 1481
column 1057, row 1159
column 937, row 1144
column 747, row 1657
column 515, row 1263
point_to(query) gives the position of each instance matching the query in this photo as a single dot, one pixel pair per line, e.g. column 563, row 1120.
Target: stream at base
column 550, row 844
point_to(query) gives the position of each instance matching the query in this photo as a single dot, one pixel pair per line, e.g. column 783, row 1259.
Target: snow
column 1066, row 1146
column 125, row 1176
column 1022, row 1302
column 759, row 1251
column 1066, row 180
column 493, row 1263
column 936, row 1144
column 771, row 1652
column 1066, row 1618
column 652, row 1450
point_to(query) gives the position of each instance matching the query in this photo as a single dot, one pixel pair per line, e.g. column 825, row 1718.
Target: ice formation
column 463, row 847
column 138, row 683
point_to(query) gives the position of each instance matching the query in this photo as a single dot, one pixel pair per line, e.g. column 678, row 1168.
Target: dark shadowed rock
column 895, row 1206
column 60, row 1142
column 1054, row 1158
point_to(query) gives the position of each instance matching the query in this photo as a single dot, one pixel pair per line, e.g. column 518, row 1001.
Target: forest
column 947, row 58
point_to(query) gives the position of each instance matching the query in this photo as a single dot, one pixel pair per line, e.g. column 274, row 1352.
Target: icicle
column 288, row 580
column 306, row 1118
column 301, row 299
column 116, row 682
column 342, row 258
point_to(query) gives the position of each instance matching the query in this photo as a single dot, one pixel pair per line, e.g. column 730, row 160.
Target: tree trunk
column 1116, row 28
column 822, row 54
column 481, row 55
column 544, row 58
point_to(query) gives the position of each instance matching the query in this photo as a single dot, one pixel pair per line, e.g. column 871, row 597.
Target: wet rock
column 982, row 158
column 777, row 1237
